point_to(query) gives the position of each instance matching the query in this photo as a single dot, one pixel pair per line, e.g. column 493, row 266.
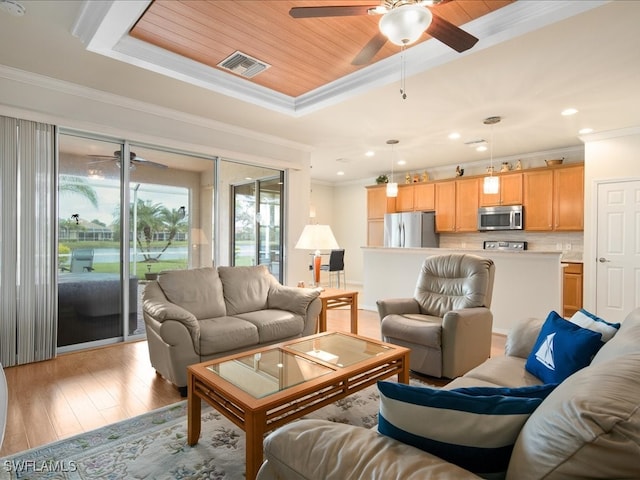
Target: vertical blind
column 28, row 303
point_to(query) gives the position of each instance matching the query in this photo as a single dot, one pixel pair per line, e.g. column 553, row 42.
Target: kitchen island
column 527, row 283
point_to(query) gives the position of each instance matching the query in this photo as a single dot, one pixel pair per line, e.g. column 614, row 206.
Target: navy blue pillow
column 475, row 428
column 562, row 348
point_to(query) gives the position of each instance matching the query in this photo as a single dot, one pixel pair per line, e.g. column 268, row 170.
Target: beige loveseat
column 588, row 427
column 204, row 313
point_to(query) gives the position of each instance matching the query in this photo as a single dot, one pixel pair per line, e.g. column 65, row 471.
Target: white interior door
column 618, row 250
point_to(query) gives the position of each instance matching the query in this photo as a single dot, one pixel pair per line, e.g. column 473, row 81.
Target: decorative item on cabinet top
column 382, row 179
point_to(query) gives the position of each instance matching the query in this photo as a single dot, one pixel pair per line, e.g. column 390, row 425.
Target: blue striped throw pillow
column 474, row 428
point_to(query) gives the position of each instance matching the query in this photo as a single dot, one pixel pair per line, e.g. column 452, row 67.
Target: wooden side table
column 336, row 298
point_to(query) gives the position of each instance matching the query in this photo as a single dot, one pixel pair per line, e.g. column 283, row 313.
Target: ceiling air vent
column 243, row 65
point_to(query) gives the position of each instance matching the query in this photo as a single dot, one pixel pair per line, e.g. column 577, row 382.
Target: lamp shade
column 404, row 25
column 317, row 237
column 392, row 189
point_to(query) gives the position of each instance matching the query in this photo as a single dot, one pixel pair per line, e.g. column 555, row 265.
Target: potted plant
column 382, row 179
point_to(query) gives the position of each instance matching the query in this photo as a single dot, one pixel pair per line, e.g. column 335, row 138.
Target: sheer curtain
column 28, row 303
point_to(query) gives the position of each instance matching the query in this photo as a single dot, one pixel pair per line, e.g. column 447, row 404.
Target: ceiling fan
column 402, row 23
column 133, row 160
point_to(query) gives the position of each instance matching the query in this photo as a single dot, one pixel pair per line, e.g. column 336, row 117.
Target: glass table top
column 340, row 350
column 265, row 373
column 269, row 372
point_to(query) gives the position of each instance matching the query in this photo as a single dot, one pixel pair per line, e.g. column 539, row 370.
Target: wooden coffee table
column 263, row 389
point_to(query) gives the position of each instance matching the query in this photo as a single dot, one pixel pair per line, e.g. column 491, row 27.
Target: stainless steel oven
column 509, row 217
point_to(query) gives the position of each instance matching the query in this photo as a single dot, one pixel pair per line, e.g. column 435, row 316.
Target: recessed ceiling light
column 481, row 148
column 370, row 153
column 340, row 173
column 584, row 131
column 402, row 162
column 454, row 136
column 569, row 111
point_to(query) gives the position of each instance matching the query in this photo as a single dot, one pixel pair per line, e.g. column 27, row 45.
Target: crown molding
column 103, row 27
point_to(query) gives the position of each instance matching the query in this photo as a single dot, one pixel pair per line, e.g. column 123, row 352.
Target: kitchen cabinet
column 419, row 197
column 467, row 199
column 424, row 198
column 572, row 289
column 377, row 205
column 405, row 200
column 445, row 202
column 568, row 198
column 553, row 198
column 509, row 193
column 456, row 204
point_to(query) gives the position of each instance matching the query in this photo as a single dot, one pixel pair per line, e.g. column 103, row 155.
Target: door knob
column 603, row 260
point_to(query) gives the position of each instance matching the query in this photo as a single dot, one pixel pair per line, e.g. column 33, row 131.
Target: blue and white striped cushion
column 475, row 428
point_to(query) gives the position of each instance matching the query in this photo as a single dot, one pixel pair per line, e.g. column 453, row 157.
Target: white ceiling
column 590, row 61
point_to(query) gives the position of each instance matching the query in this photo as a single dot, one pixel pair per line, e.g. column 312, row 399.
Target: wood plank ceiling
column 304, row 54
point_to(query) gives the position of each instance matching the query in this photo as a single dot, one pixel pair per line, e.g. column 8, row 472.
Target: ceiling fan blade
column 369, row 51
column 450, row 35
column 337, row 11
column 142, row 161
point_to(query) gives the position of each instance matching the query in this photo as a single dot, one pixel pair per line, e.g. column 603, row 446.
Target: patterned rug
column 154, row 446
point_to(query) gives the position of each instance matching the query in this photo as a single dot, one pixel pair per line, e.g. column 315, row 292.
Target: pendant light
column 392, row 187
column 491, row 184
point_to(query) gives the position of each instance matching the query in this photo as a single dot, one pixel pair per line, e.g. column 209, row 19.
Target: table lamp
column 317, row 237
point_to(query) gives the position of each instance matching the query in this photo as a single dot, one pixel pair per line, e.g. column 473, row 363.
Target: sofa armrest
column 323, row 449
column 291, row 299
column 157, row 307
column 397, row 306
column 522, row 337
column 466, row 340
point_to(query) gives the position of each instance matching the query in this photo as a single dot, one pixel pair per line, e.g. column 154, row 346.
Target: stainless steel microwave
column 508, row 217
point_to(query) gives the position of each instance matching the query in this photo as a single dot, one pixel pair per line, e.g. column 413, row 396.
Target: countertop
column 565, row 257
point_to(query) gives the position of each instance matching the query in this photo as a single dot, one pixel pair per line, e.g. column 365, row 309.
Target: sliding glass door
column 89, row 250
column 256, row 220
column 168, row 225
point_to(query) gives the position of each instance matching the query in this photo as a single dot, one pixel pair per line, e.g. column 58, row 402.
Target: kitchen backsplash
column 570, row 243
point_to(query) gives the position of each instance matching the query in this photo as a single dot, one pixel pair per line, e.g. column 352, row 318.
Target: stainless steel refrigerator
column 410, row 230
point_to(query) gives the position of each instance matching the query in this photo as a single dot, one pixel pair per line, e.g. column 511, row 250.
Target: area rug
column 154, row 446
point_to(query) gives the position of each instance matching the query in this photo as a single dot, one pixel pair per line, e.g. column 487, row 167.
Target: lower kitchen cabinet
column 572, row 289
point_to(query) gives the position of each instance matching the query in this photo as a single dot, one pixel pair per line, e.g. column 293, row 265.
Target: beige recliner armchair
column 447, row 324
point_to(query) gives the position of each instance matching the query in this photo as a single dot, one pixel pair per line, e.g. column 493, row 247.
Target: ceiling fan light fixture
column 405, row 24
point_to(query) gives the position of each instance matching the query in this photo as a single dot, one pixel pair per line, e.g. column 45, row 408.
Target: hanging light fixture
column 405, row 24
column 491, row 184
column 392, row 187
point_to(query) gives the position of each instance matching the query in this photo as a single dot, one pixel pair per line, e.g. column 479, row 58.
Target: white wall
column 344, row 208
column 610, row 156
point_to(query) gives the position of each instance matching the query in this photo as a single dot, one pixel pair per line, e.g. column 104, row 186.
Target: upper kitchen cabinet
column 417, row 197
column 456, row 204
column 424, row 197
column 509, row 193
column 467, row 198
column 377, row 205
column 553, row 198
column 568, row 198
column 445, row 200
column 405, row 200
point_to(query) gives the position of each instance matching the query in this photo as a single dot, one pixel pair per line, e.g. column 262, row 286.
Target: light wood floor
column 81, row 391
